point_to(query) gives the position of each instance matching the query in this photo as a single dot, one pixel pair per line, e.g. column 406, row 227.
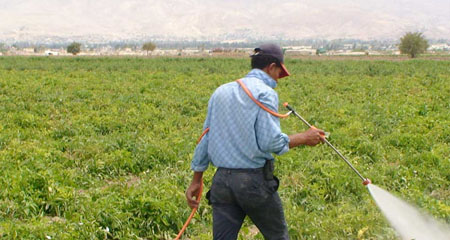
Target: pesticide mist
column 406, row 220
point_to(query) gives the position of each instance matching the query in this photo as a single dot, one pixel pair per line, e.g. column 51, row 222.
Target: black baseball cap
column 275, row 51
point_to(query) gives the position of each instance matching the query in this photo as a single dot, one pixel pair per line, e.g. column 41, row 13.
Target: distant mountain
column 104, row 20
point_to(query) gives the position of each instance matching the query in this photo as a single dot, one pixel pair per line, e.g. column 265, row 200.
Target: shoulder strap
column 239, row 81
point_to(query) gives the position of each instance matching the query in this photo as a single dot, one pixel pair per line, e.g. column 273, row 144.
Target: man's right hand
column 311, row 137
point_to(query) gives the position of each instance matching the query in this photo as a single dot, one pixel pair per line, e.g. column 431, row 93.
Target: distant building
column 373, row 53
column 439, row 47
column 353, row 53
column 299, row 50
column 28, row 50
column 191, row 51
column 348, row 46
column 297, row 47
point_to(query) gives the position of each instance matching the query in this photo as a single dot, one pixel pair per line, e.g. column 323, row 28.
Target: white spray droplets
column 406, row 220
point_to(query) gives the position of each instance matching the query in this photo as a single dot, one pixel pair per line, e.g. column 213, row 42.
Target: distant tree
column 3, row 48
column 16, row 46
column 413, row 44
column 148, row 46
column 39, row 49
column 320, row 51
column 202, row 47
column 74, row 48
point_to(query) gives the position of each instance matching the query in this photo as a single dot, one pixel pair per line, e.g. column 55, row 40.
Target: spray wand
column 366, row 181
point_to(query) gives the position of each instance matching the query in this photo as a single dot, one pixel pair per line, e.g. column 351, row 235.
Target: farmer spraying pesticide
column 242, row 130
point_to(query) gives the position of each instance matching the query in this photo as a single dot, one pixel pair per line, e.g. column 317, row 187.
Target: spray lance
column 366, row 181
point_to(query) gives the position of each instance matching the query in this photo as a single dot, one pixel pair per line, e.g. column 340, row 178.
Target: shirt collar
column 260, row 74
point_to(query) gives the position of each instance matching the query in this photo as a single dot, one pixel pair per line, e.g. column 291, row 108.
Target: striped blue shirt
column 241, row 134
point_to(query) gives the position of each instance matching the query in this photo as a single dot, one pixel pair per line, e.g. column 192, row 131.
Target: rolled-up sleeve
column 267, row 127
column 200, row 161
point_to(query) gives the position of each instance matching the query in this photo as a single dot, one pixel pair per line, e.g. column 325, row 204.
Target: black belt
column 241, row 170
column 267, row 170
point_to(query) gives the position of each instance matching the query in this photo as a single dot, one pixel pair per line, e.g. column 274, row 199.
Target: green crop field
column 100, row 148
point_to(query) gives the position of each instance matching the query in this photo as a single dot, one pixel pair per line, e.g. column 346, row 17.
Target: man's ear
column 271, row 66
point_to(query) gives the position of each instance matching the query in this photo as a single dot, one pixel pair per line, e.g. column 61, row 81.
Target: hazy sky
column 365, row 19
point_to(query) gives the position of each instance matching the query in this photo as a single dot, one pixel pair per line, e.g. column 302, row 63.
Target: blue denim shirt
column 241, row 134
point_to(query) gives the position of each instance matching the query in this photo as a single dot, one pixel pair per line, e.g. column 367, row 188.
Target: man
column 241, row 139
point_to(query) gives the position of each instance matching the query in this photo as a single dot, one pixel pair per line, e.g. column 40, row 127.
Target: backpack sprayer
column 365, row 182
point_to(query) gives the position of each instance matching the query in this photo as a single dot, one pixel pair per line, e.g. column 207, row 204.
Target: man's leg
column 227, row 221
column 270, row 219
column 227, row 215
column 261, row 202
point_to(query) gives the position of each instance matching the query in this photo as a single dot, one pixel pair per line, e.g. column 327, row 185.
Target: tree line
column 75, row 47
column 412, row 44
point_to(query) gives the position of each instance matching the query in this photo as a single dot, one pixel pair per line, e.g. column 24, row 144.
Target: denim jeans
column 236, row 193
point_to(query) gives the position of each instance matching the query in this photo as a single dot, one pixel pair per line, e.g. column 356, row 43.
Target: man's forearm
column 197, row 177
column 296, row 140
